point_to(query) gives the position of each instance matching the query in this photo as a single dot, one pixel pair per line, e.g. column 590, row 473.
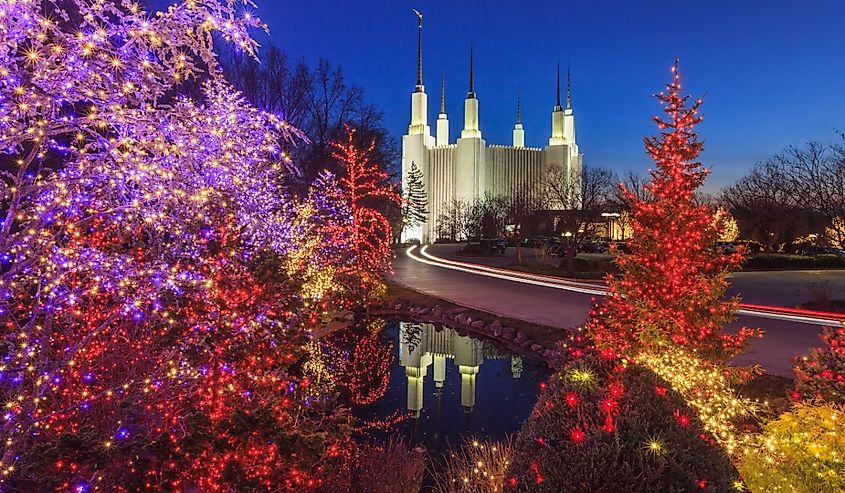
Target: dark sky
column 772, row 72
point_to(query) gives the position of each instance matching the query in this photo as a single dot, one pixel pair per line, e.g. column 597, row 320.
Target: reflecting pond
column 432, row 385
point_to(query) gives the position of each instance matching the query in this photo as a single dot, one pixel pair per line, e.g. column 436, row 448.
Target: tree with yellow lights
column 728, row 227
column 835, row 233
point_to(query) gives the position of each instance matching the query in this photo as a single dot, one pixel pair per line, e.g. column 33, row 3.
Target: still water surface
column 446, row 386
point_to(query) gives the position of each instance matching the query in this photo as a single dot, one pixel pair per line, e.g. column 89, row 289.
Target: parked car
column 493, row 245
column 532, row 242
column 837, row 251
column 812, row 250
column 727, row 247
column 540, row 241
column 593, row 247
column 560, row 250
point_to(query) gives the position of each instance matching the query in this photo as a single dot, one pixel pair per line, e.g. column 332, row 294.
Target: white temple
column 470, row 168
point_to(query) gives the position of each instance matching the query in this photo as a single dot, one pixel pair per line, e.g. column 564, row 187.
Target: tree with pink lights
column 156, row 281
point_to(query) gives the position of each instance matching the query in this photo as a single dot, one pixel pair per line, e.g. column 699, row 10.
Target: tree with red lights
column 366, row 186
column 673, row 284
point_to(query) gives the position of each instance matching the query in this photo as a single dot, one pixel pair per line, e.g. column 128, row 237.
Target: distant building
column 470, row 168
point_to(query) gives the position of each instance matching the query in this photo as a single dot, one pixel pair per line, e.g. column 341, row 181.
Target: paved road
column 779, row 288
column 565, row 309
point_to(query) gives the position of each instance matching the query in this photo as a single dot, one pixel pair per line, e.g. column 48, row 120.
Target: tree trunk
column 571, row 252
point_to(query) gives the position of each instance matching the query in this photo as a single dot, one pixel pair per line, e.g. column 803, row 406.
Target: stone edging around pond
column 461, row 320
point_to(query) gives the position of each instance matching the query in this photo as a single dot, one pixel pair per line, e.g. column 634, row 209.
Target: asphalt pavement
column 565, row 309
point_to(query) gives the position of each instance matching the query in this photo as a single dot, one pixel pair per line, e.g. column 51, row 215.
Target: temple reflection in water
column 423, row 346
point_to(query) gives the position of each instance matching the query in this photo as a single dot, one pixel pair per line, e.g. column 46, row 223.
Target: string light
column 157, row 282
column 802, row 450
column 667, row 311
column 705, row 389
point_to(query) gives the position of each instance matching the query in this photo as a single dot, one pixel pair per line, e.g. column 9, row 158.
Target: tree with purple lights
column 156, row 280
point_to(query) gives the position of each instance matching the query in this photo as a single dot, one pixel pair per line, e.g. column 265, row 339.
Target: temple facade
column 470, row 168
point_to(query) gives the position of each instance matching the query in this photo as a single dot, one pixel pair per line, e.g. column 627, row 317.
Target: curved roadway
column 565, row 304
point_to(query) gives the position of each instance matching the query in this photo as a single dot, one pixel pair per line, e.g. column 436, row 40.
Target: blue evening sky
column 772, row 72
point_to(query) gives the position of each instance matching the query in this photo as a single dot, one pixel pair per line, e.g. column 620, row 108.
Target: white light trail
column 771, row 312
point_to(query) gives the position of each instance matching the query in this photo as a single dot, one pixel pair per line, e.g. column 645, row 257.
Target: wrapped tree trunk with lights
column 673, row 283
column 365, row 185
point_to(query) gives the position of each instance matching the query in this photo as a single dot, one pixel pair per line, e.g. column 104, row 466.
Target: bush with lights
column 802, row 450
column 799, row 452
column 821, row 374
column 601, row 425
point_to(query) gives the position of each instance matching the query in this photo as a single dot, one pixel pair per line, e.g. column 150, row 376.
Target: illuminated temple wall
column 469, row 168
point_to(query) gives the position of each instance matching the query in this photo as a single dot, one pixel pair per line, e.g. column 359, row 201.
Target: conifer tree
column 415, row 210
column 673, row 284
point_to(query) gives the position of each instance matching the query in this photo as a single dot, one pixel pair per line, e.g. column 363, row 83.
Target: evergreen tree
column 415, row 210
column 673, row 284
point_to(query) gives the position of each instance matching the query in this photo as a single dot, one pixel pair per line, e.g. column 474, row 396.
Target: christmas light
column 667, row 311
column 158, row 285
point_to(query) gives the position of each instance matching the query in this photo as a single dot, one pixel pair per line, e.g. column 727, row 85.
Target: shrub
column 799, row 452
column 474, row 467
column 378, row 468
column 821, row 374
column 593, row 264
column 603, row 426
column 388, row 468
column 774, row 261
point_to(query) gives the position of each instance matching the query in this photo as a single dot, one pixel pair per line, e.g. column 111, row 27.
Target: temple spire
column 419, row 49
column 442, row 137
column 471, row 93
column 518, row 131
column 568, row 89
column 557, row 101
column 442, row 93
